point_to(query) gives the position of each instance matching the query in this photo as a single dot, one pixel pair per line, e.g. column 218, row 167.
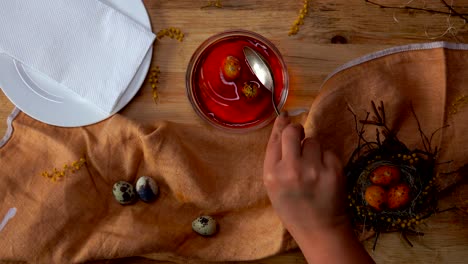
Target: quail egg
column 205, row 225
column 147, row 189
column 123, row 192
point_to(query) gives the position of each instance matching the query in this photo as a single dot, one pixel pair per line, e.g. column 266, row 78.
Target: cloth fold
column 430, row 78
column 201, row 170
column 85, row 46
column 77, row 218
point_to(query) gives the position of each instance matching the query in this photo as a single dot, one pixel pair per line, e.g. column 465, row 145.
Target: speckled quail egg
column 205, row 225
column 123, row 192
column 147, row 189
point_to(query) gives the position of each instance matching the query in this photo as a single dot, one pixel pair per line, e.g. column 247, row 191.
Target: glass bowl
column 224, row 91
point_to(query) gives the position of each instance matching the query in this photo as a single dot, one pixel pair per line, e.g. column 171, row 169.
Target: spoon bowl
column 262, row 71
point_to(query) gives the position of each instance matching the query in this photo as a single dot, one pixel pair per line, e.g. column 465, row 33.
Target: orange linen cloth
column 428, row 77
column 76, row 219
column 203, row 171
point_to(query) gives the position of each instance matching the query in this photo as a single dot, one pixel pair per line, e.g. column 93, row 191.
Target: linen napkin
column 84, row 45
column 201, row 170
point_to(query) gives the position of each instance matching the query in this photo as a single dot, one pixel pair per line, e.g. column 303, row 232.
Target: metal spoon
column 262, row 70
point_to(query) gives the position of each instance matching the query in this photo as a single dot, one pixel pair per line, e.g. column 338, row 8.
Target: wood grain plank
column 310, row 57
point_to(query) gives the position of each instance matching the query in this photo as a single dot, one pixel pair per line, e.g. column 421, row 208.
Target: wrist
column 336, row 244
column 337, row 226
column 338, row 230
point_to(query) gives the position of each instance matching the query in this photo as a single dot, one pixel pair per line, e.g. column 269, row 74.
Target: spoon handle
column 273, row 101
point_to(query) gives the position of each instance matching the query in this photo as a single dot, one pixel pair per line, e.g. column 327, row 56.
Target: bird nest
column 390, row 187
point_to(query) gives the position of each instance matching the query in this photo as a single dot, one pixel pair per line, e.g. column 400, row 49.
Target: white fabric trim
column 9, row 130
column 9, row 215
column 393, row 50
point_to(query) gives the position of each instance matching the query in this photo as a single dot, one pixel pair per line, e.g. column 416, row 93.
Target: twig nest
column 123, row 192
column 205, row 225
column 147, row 189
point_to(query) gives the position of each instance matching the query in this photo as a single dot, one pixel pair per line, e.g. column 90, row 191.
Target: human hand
column 306, row 188
column 305, row 183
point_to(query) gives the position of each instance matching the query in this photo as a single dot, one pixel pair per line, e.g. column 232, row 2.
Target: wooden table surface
column 310, row 56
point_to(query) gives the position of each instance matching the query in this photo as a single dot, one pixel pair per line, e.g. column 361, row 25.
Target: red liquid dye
column 222, row 100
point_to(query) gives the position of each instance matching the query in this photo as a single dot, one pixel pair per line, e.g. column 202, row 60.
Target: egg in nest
column 385, row 175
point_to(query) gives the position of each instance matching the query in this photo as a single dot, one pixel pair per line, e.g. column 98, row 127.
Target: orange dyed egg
column 231, row 68
column 250, row 90
column 385, row 175
column 376, row 197
column 398, row 196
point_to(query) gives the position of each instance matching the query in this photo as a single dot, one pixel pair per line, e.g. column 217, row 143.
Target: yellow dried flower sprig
column 172, row 32
column 409, row 159
column 153, row 76
column 460, row 101
column 300, row 19
column 57, row 174
column 216, row 3
column 153, row 81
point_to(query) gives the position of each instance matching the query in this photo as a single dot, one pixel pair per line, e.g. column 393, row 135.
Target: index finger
column 273, row 151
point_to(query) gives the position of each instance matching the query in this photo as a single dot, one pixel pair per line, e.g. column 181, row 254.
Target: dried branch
column 360, row 132
column 377, row 132
column 426, row 142
column 403, row 233
column 444, row 162
column 382, row 110
column 375, row 241
column 376, row 113
column 413, row 232
column 451, row 10
column 379, row 119
column 448, row 209
column 435, row 132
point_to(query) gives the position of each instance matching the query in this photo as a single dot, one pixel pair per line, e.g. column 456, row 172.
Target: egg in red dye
column 218, row 83
column 231, row 68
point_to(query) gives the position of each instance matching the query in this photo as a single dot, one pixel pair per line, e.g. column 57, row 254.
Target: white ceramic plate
column 44, row 100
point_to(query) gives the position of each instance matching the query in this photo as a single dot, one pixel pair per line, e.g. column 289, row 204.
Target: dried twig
column 425, row 140
column 379, row 119
column 451, row 10
column 360, row 132
column 403, row 233
column 375, row 241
